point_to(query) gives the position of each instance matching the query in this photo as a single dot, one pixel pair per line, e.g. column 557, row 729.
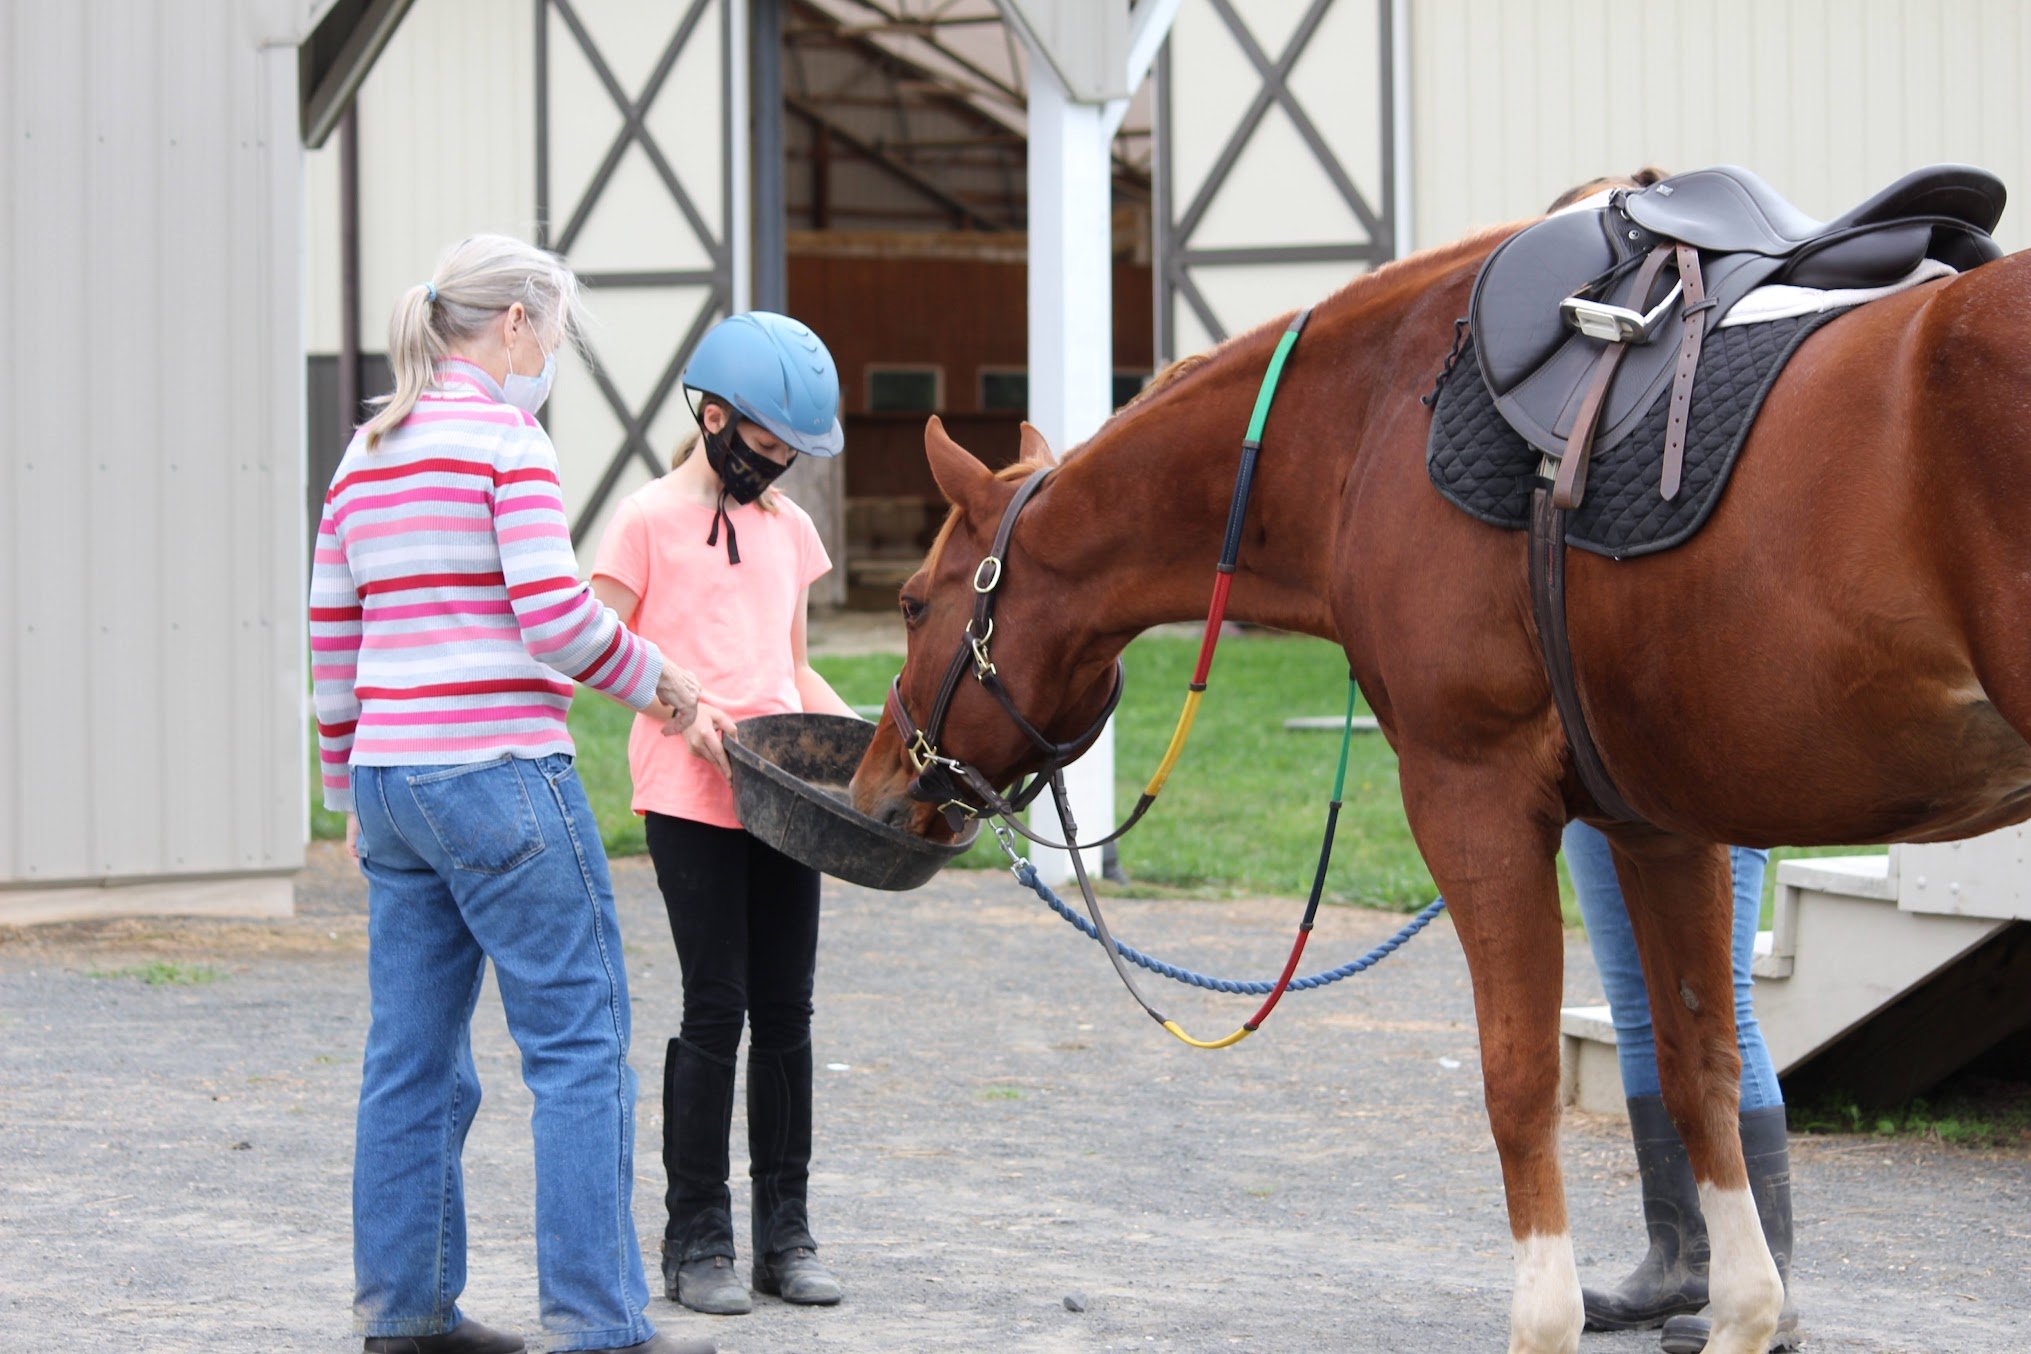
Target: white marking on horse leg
column 1544, row 1313
column 1742, row 1284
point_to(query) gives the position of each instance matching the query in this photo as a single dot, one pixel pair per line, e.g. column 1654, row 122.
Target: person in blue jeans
column 1668, row 1287
column 448, row 628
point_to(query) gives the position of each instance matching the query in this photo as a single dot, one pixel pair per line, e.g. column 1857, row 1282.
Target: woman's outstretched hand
column 704, row 736
column 678, row 689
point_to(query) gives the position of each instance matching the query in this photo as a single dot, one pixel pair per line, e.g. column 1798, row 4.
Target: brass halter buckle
column 983, row 666
column 920, row 752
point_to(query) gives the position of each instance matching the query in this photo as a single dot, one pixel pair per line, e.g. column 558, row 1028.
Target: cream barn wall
column 1829, row 100
column 448, row 129
column 152, row 683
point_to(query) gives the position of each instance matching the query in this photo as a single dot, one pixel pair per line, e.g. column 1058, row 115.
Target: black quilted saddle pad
column 1480, row 463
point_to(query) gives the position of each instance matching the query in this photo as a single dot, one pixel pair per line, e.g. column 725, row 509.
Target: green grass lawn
column 1243, row 812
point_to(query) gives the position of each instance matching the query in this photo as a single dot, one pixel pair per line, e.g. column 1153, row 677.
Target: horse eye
column 913, row 609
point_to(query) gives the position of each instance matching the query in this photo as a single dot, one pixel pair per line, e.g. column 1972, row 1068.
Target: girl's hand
column 678, row 689
column 704, row 736
column 353, row 835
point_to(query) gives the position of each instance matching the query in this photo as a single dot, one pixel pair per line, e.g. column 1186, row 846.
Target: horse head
column 969, row 685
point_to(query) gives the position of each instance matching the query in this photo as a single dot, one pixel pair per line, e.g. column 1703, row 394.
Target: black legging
column 745, row 919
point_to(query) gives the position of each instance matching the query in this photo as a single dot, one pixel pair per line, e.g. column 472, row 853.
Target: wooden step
column 1985, row 876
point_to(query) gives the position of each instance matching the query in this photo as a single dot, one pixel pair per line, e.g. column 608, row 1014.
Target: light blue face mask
column 527, row 393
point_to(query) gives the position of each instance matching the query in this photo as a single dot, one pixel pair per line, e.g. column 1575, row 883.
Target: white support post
column 1071, row 339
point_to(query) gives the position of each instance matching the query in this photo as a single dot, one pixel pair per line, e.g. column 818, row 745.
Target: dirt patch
column 999, row 1129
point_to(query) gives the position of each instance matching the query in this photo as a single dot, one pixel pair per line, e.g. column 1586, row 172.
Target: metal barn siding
column 152, row 703
column 1827, row 99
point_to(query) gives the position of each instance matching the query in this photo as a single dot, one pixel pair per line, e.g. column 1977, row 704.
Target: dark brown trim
column 326, row 85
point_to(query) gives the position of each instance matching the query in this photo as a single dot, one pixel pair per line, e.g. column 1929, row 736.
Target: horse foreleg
column 1681, row 908
column 1495, row 867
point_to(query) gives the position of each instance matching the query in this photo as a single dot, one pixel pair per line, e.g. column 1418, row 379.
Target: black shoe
column 708, row 1285
column 1672, row 1276
column 467, row 1337
column 797, row 1275
column 660, row 1343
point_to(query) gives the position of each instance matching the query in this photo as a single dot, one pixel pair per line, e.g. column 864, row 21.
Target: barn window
column 1004, row 390
column 905, row 390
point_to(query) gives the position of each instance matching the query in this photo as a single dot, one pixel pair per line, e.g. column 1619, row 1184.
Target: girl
column 447, row 624
column 716, row 567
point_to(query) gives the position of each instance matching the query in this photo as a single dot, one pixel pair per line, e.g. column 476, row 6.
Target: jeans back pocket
column 480, row 815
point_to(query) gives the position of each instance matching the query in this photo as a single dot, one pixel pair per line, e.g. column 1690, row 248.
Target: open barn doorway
column 900, row 222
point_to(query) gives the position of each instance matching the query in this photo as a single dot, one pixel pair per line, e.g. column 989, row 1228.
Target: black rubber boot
column 1767, row 1153
column 779, row 1155
column 1672, row 1276
column 698, row 1240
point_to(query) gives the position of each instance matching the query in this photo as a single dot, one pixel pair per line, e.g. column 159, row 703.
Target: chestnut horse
column 1839, row 656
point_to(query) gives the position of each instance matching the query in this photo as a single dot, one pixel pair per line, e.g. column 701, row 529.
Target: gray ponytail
column 473, row 283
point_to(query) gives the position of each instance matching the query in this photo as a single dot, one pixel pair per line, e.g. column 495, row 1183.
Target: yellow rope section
column 1177, row 747
column 1228, row 1042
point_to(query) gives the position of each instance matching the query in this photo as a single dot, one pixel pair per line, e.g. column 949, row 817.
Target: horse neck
column 1139, row 516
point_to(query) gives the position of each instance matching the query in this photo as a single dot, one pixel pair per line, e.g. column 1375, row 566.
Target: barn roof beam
column 963, row 85
column 332, row 63
column 962, row 211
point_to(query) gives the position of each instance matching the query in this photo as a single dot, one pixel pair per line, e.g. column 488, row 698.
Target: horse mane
column 1171, row 372
column 1374, row 289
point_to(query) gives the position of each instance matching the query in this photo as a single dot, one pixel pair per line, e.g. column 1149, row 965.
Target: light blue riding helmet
column 773, row 371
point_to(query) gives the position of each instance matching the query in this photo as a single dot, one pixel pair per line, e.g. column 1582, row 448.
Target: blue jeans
column 1614, row 944
column 495, row 860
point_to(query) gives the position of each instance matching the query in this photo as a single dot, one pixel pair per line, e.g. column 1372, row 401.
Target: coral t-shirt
column 729, row 623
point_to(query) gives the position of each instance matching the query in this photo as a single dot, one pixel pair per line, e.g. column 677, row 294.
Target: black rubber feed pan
column 790, row 774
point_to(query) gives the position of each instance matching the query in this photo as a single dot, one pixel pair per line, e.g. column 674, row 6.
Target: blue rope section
column 1026, row 875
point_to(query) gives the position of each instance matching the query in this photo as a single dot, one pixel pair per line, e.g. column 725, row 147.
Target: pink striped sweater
column 446, row 610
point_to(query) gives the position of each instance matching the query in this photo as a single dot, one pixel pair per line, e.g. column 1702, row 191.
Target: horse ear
column 966, row 483
column 1035, row 450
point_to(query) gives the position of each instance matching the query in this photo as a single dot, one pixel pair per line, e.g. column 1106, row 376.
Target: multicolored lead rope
column 1117, row 952
column 1216, row 615
column 1230, row 553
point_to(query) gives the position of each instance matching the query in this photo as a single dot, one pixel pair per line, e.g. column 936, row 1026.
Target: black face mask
column 744, row 471
column 744, row 474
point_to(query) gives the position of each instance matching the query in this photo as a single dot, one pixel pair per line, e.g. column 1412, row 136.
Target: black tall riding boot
column 1672, row 1277
column 779, row 1154
column 698, row 1239
column 1767, row 1153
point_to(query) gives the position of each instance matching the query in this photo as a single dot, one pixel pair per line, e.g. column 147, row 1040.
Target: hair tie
column 429, row 293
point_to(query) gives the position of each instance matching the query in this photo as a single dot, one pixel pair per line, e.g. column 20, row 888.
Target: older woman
column 448, row 624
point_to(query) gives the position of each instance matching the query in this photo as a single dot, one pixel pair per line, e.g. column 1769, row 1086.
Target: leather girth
column 1548, row 604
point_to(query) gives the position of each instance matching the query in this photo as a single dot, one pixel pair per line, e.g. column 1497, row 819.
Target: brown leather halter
column 958, row 787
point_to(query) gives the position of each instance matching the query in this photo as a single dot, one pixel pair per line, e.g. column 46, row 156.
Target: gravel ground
column 999, row 1129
